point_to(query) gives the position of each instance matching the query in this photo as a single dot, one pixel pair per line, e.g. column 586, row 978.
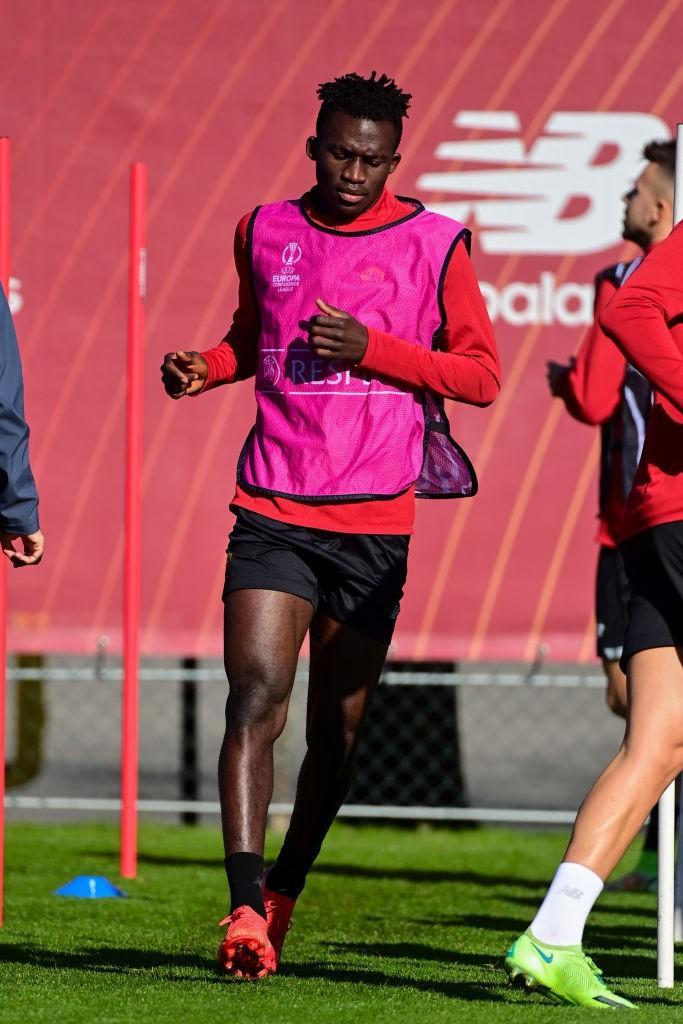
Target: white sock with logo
column 563, row 914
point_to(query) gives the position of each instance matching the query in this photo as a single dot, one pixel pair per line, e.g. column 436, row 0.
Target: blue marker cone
column 90, row 887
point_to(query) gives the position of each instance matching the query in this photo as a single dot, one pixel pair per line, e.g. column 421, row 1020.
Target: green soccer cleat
column 563, row 973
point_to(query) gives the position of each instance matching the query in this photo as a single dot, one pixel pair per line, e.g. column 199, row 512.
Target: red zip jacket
column 465, row 368
column 591, row 392
column 645, row 319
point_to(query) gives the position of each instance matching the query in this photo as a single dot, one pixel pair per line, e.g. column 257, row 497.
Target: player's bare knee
column 255, row 699
column 663, row 764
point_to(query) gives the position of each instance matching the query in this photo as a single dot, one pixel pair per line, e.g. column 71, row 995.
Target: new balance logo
column 562, row 195
column 566, row 890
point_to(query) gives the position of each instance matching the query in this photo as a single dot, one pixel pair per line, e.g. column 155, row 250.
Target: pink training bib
column 324, row 430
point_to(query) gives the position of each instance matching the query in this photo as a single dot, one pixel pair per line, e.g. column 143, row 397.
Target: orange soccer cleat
column 246, row 950
column 278, row 918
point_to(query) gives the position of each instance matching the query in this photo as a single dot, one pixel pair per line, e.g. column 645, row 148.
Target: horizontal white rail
column 523, row 678
column 491, row 814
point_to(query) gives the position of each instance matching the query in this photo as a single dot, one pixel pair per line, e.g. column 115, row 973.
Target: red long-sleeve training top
column 645, row 319
column 591, row 391
column 465, row 368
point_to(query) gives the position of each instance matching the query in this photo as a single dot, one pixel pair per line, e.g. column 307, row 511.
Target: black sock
column 288, row 874
column 245, row 871
column 652, row 834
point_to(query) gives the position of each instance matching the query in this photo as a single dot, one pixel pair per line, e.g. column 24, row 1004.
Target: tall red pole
column 4, row 281
column 133, row 520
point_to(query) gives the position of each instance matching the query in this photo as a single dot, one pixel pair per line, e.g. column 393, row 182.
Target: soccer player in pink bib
column 358, row 314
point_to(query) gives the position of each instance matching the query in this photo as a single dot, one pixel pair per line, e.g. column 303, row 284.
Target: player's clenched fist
column 336, row 334
column 183, row 373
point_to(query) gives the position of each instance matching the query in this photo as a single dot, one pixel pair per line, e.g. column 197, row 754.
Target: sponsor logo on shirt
column 372, row 274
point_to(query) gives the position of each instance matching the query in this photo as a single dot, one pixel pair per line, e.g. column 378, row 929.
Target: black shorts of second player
column 356, row 579
column 612, row 595
column 654, row 565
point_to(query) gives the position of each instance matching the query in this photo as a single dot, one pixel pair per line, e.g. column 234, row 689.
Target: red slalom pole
column 133, row 520
column 4, row 281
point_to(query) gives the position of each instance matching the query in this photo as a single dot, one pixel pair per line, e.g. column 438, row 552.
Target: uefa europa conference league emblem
column 287, row 280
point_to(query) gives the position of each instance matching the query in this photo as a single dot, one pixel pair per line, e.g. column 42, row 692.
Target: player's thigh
column 655, row 719
column 653, row 642
column 263, row 634
column 270, row 595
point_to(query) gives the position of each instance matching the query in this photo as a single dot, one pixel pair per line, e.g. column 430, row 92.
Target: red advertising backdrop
column 527, row 122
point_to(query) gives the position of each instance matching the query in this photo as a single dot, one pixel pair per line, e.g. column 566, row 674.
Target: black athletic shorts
column 654, row 564
column 611, row 603
column 354, row 578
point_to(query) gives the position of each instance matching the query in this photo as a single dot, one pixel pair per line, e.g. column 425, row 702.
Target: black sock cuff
column 245, row 874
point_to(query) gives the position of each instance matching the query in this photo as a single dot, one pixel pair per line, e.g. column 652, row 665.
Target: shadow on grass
column 167, row 861
column 417, row 951
column 427, row 875
column 599, row 935
column 453, row 989
column 389, row 874
column 109, row 960
column 640, row 968
column 492, row 923
column 626, row 965
column 641, row 909
column 105, row 959
column 160, row 860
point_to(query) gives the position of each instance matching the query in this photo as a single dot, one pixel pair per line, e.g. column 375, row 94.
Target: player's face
column 640, row 207
column 353, row 159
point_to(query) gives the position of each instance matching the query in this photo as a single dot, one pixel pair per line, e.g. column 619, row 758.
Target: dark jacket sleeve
column 18, row 495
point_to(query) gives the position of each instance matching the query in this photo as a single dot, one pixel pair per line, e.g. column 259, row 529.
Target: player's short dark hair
column 373, row 99
column 663, row 153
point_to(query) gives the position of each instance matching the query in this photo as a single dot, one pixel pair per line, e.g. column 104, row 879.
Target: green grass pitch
column 394, row 925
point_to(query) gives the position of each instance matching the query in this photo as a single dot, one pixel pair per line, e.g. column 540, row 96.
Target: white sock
column 563, row 914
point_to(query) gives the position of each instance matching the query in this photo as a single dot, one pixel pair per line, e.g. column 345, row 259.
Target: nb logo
column 291, row 254
column 560, row 195
column 567, row 890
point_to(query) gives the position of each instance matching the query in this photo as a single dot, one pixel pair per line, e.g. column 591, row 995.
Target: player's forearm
column 230, row 361
column 591, row 398
column 640, row 330
column 473, row 378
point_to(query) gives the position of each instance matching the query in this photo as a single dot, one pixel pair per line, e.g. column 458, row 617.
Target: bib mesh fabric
column 323, row 430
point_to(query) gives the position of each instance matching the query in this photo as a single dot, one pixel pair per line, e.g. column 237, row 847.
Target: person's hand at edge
column 32, row 543
column 555, row 372
column 183, row 373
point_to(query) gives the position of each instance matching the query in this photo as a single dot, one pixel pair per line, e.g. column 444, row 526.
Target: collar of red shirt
column 386, row 210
